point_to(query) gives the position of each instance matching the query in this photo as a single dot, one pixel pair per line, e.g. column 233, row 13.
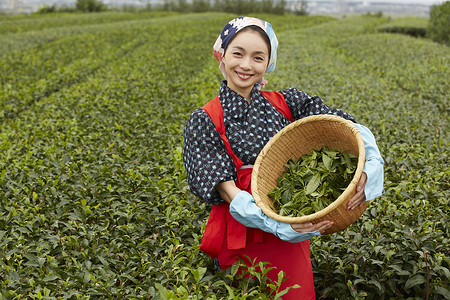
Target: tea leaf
column 313, row 184
column 415, row 280
column 327, row 161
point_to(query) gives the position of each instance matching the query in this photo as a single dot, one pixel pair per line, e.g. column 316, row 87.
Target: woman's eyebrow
column 242, row 49
column 260, row 52
column 238, row 48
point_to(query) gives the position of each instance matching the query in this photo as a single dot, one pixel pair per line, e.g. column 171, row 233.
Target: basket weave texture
column 299, row 138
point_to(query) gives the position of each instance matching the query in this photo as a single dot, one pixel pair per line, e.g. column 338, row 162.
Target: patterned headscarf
column 233, row 27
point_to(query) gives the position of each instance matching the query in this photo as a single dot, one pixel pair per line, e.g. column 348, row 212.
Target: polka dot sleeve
column 206, row 161
column 302, row 105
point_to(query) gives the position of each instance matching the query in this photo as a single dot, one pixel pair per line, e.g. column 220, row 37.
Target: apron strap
column 220, row 221
column 214, row 109
column 278, row 101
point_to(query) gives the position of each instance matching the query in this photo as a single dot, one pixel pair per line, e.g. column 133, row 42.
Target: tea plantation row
column 93, row 193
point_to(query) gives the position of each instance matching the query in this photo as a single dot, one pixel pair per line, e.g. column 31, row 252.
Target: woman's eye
column 237, row 53
column 259, row 58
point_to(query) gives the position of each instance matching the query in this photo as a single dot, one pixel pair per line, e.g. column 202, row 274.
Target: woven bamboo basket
column 299, row 138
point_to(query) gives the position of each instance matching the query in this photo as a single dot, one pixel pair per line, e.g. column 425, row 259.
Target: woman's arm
column 370, row 185
column 228, row 190
column 302, row 105
column 205, row 158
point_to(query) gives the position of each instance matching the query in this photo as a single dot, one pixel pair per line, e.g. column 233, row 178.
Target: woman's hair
column 257, row 29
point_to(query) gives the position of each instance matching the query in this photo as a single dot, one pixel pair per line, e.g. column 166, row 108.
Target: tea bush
column 93, row 193
column 438, row 29
column 416, row 27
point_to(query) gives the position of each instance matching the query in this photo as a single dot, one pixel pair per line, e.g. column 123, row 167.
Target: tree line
column 229, row 6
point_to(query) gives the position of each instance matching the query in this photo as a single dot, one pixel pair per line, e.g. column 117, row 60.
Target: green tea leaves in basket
column 313, row 182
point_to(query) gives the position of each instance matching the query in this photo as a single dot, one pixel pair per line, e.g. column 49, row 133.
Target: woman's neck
column 248, row 97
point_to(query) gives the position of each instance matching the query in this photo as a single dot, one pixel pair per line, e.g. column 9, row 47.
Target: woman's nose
column 245, row 63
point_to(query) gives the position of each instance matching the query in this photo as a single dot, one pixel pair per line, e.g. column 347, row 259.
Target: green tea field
column 94, row 202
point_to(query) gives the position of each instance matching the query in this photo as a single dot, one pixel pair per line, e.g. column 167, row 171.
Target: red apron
column 229, row 240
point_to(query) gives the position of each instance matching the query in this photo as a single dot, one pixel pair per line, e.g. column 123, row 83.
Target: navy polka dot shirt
column 248, row 128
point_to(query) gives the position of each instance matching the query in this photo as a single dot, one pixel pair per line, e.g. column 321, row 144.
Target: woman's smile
column 244, row 76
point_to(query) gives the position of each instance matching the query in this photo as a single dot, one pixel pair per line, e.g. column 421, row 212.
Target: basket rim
column 335, row 204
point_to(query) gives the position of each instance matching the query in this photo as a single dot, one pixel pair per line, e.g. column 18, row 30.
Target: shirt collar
column 226, row 94
column 234, row 105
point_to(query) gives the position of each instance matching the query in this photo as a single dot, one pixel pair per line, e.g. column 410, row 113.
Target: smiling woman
column 221, row 142
column 245, row 62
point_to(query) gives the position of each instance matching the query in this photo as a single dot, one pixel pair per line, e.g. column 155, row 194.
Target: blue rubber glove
column 244, row 209
column 374, row 166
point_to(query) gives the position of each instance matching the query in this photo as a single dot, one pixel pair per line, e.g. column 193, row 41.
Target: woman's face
column 246, row 59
